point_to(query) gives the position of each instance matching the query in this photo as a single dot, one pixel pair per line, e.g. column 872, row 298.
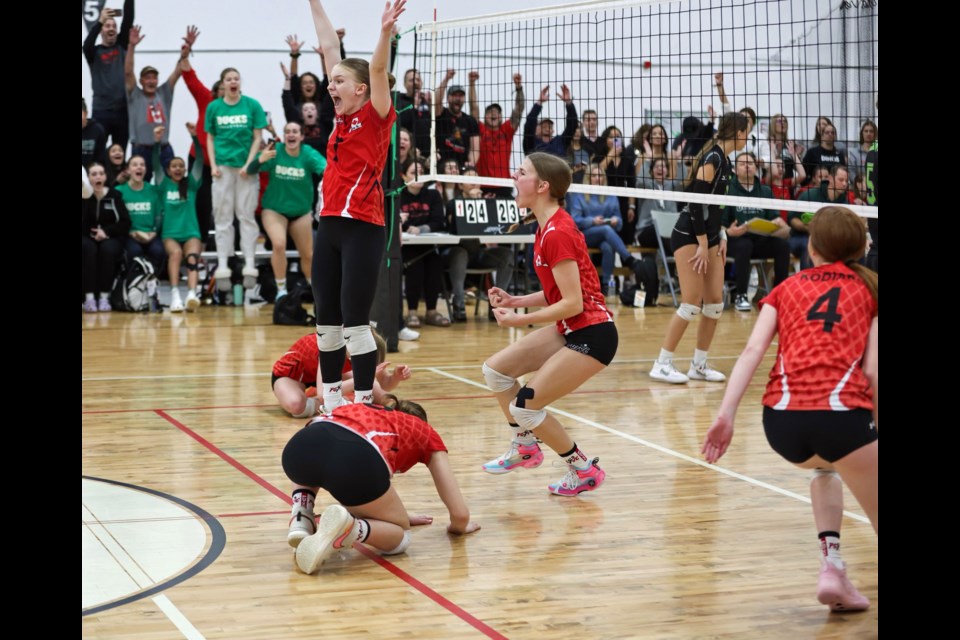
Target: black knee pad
column 195, row 263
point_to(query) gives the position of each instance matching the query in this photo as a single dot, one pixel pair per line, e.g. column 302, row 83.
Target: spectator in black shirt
column 93, row 139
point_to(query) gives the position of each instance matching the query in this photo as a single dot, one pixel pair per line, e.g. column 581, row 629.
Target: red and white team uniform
column 402, row 439
column 823, row 318
column 559, row 240
column 356, row 155
column 301, row 361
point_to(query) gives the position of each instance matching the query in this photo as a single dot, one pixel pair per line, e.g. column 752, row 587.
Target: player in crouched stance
column 579, row 343
column 352, row 453
column 821, row 407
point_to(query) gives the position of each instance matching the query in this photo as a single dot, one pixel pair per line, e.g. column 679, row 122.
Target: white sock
column 666, row 357
column 362, row 397
column 699, row 357
column 578, row 460
column 303, row 501
column 104, row 295
column 90, row 296
column 523, row 436
column 281, row 283
column 830, row 548
column 332, row 397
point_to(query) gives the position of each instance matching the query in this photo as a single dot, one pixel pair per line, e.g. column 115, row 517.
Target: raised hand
column 711, row 112
column 191, row 129
column 718, row 79
column 565, row 94
column 391, row 14
column 293, row 43
column 136, row 37
column 544, row 94
column 473, row 76
column 158, row 133
column 517, row 80
column 106, row 14
column 191, row 37
column 450, row 74
column 268, row 154
column 286, row 72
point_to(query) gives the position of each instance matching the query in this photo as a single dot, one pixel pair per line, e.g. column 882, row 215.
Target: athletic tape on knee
column 528, row 419
column 688, row 311
column 824, row 473
column 359, row 340
column 400, row 548
column 329, row 338
column 496, row 381
column 195, row 264
column 713, row 310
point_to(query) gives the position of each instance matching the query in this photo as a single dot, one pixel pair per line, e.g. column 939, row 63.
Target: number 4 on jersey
column 825, row 308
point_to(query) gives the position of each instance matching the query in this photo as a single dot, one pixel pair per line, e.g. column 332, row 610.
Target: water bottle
column 238, row 294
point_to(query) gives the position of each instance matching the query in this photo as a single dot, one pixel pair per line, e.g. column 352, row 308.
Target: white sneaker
column 176, row 304
column 666, row 372
column 250, row 275
column 222, row 276
column 302, row 524
column 193, row 302
column 703, row 371
column 334, row 533
column 408, row 334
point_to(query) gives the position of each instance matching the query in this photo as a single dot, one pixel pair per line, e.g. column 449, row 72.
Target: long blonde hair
column 587, row 175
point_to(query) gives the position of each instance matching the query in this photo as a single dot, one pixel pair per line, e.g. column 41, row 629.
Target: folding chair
column 663, row 224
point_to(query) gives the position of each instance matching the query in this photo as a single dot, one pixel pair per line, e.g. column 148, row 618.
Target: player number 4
column 825, row 308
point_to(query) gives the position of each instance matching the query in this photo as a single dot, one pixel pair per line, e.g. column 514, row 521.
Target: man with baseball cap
column 458, row 134
column 148, row 105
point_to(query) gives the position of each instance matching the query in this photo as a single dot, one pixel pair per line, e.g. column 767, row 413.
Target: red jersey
column 783, row 191
column 356, row 155
column 301, row 361
column 402, row 439
column 495, row 146
column 823, row 318
column 561, row 240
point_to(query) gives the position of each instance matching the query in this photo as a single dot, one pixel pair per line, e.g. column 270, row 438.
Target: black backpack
column 134, row 285
column 648, row 280
column 289, row 308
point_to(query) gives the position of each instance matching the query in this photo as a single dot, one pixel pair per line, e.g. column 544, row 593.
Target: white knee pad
column 688, row 311
column 359, row 340
column 309, row 409
column 528, row 419
column 329, row 338
column 400, row 548
column 824, row 473
column 713, row 310
column 496, row 381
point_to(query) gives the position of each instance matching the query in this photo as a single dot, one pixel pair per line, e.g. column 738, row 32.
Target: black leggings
column 99, row 264
column 337, row 459
column 745, row 248
column 346, row 266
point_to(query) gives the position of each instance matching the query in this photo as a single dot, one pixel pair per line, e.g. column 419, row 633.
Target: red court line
column 229, row 459
column 430, row 593
column 403, row 575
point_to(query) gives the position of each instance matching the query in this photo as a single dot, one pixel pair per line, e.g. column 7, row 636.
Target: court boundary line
column 662, row 449
column 405, row 577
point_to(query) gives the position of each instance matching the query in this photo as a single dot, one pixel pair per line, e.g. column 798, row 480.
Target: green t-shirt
column 232, row 127
column 144, row 206
column 290, row 191
column 743, row 214
column 180, row 214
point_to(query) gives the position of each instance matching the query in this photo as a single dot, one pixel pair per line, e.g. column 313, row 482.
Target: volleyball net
column 647, row 70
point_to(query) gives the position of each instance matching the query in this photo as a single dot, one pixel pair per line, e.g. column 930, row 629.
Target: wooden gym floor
column 184, row 502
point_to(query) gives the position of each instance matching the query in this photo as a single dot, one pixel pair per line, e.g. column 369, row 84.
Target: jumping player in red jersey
column 350, row 239
column 294, row 376
column 821, row 407
column 352, row 453
column 580, row 342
